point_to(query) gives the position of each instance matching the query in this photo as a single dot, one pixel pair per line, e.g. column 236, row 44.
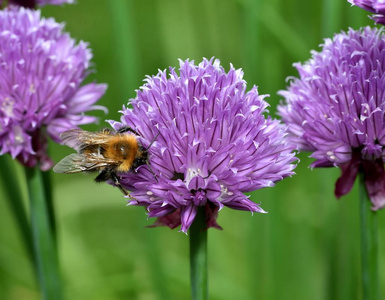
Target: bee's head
column 141, row 157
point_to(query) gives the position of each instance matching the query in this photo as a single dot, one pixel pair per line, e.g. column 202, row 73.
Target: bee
column 110, row 153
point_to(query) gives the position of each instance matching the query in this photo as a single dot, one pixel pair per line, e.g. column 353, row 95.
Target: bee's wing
column 77, row 138
column 75, row 163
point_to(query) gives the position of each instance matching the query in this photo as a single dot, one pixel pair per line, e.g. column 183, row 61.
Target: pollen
column 7, row 106
column 32, row 89
column 19, row 139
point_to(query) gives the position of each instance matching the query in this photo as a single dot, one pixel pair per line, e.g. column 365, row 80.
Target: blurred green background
column 306, row 247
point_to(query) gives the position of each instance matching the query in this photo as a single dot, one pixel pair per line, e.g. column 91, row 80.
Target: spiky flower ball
column 212, row 144
column 336, row 109
column 375, row 6
column 41, row 71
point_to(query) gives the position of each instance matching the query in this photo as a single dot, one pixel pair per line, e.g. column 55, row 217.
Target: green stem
column 331, row 16
column 369, row 245
column 12, row 189
column 49, row 200
column 125, row 41
column 251, row 37
column 44, row 244
column 198, row 256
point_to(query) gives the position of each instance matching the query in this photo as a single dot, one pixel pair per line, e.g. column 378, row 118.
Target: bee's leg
column 107, row 174
column 105, row 131
column 126, row 129
column 117, row 183
column 103, row 176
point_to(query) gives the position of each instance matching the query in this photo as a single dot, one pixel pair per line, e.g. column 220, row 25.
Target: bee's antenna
column 153, row 140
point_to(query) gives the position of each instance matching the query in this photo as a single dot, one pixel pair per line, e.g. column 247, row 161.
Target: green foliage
column 306, row 247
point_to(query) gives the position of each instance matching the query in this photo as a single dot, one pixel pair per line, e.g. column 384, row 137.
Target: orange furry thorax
column 122, row 148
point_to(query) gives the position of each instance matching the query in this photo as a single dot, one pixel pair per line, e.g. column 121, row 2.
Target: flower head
column 336, row 109
column 212, row 143
column 375, row 6
column 41, row 69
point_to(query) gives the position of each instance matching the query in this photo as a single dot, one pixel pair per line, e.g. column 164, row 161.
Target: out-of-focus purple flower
column 214, row 143
column 375, row 6
column 41, row 69
column 54, row 2
column 336, row 109
column 34, row 3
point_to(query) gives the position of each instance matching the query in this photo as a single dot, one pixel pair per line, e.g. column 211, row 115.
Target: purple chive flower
column 34, row 3
column 53, row 2
column 41, row 69
column 336, row 109
column 375, row 6
column 214, row 143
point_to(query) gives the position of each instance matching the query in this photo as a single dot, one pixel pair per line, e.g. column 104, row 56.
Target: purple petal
column 211, row 216
column 349, row 171
column 171, row 220
column 374, row 174
column 188, row 214
column 86, row 96
column 241, row 202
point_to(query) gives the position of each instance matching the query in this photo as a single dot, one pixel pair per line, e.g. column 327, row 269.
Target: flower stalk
column 47, row 184
column 43, row 237
column 198, row 256
column 15, row 201
column 369, row 245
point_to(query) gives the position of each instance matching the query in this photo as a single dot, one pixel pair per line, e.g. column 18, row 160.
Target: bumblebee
column 108, row 152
